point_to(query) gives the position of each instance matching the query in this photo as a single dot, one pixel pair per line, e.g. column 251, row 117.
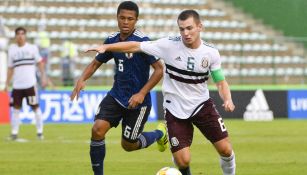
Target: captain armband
column 217, row 75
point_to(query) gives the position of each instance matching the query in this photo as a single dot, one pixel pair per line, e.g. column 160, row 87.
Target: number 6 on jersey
column 121, row 65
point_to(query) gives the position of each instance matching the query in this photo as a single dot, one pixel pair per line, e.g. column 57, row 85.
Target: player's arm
column 87, row 73
column 126, row 47
column 41, row 69
column 223, row 88
column 154, row 79
column 40, row 65
column 10, row 72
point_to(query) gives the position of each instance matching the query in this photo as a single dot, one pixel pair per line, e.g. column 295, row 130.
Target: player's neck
column 21, row 44
column 124, row 36
column 194, row 45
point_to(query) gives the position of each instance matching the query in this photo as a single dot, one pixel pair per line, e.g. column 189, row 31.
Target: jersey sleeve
column 104, row 57
column 151, row 59
column 215, row 61
column 37, row 56
column 216, row 68
column 155, row 48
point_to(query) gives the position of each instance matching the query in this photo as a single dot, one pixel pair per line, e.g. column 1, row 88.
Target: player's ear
column 136, row 16
column 200, row 26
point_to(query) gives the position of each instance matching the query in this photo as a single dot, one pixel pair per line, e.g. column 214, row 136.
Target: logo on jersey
column 205, row 62
column 174, row 141
column 178, row 58
column 129, row 55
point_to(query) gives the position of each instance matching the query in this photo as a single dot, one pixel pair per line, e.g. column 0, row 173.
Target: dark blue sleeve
column 104, row 57
column 151, row 59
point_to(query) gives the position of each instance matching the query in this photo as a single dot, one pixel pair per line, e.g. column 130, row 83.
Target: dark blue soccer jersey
column 130, row 74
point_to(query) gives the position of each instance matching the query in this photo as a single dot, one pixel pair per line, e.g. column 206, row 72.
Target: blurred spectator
column 4, row 39
column 43, row 42
column 69, row 55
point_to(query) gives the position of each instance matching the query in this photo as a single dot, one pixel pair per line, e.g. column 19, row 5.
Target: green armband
column 217, row 75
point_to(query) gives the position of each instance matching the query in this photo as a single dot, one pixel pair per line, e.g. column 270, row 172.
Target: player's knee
column 17, row 107
column 183, row 162
column 97, row 133
column 224, row 147
column 225, row 152
column 34, row 107
column 127, row 146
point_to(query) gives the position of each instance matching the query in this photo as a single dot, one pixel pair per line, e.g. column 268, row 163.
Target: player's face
column 190, row 32
column 126, row 21
column 20, row 37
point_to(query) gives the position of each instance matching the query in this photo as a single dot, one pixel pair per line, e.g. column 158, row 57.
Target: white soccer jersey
column 187, row 71
column 23, row 60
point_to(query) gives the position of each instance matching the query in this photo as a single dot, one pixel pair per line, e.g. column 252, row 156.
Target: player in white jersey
column 189, row 61
column 22, row 61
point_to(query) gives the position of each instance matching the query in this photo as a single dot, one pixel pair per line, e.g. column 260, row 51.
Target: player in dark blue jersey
column 129, row 99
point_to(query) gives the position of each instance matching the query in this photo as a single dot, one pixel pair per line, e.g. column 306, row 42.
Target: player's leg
column 16, row 102
column 108, row 115
column 211, row 125
column 33, row 100
column 97, row 145
column 132, row 126
column 227, row 156
column 180, row 133
column 182, row 159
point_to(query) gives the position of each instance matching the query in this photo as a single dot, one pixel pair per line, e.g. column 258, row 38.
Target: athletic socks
column 15, row 122
column 185, row 171
column 97, row 153
column 39, row 121
column 228, row 164
column 148, row 138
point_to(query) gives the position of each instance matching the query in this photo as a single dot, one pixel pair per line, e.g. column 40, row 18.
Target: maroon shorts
column 207, row 120
column 30, row 94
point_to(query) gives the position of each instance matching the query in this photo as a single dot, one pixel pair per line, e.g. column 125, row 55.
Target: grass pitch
column 262, row 148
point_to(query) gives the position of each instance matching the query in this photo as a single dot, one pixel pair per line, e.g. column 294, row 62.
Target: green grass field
column 262, row 148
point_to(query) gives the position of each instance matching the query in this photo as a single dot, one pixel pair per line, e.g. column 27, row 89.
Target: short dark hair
column 187, row 14
column 20, row 29
column 128, row 5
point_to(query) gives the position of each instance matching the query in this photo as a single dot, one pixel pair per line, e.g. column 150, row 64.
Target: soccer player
column 189, row 61
column 22, row 59
column 129, row 99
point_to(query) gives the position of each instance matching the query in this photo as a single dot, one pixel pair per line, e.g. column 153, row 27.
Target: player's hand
column 135, row 100
column 228, row 106
column 76, row 92
column 6, row 88
column 99, row 49
column 44, row 81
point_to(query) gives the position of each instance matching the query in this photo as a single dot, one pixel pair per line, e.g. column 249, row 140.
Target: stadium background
column 263, row 47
